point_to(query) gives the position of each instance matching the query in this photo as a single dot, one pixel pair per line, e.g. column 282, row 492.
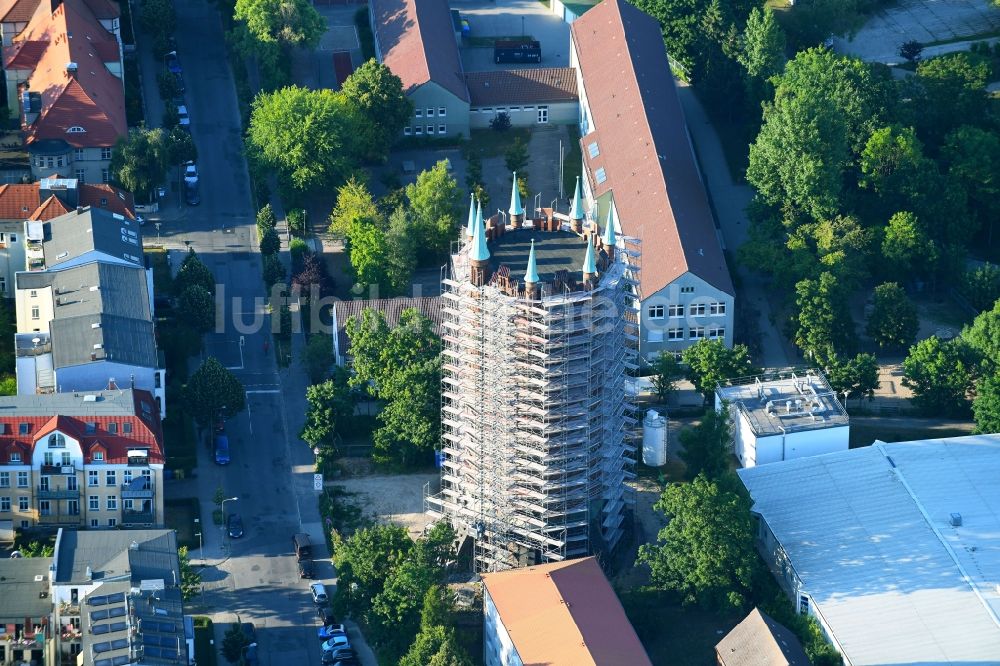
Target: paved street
column 255, row 577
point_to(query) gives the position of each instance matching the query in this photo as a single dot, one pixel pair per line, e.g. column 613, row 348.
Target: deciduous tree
column 983, row 337
column 180, row 147
column 986, row 406
column 707, row 445
column 401, row 252
column 290, row 22
column 194, row 272
column 763, row 52
column 981, row 286
column 354, row 202
column 233, row 643
column 197, row 308
column 666, row 371
column 139, row 161
column 906, row 247
column 434, row 211
column 952, row 92
column 941, row 375
column 369, row 252
column 318, row 357
column 274, row 270
column 825, row 328
column 211, row 390
column 377, row 94
column 269, row 242
column 710, row 362
column 893, row 322
column 856, row 377
column 329, row 406
column 190, row 579
column 973, row 158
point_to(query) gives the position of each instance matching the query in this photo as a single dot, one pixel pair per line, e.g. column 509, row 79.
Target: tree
column 438, row 609
column 212, row 390
column 158, row 17
column 940, row 375
column 289, row 22
column 763, row 51
column 500, row 122
column 330, row 405
column 313, row 275
column 377, row 94
column 180, row 147
column 982, row 286
column 666, row 371
column 197, row 308
column 318, row 357
column 892, row 164
column 516, row 156
column 170, row 88
column 274, row 270
column 401, row 252
column 856, row 377
column 369, row 252
column 354, row 202
column 265, row 219
column 986, row 405
column 973, row 156
column 270, row 243
column 434, row 211
column 906, row 248
column 139, row 161
column 706, row 551
column 190, row 579
column 825, row 327
column 36, row 549
column 308, row 135
column 234, row 642
column 842, row 246
column 983, row 338
column 707, row 445
column 911, row 50
column 710, row 362
column 893, row 322
column 194, row 272
column 952, row 92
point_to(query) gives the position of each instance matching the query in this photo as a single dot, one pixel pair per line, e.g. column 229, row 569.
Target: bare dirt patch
column 396, row 499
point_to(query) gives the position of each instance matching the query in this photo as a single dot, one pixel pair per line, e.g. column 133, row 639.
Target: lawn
column 204, row 635
column 181, row 514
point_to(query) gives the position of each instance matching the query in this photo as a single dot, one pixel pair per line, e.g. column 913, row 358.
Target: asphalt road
column 254, row 578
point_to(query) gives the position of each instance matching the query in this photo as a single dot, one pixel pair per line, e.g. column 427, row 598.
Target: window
column 94, row 522
column 716, row 332
column 4, row 505
column 60, row 161
column 655, row 312
column 600, row 175
column 113, row 428
column 47, row 458
column 675, row 334
column 697, row 310
column 33, row 293
column 717, row 308
column 22, row 479
column 675, row 311
column 127, row 476
column 57, row 441
column 112, row 503
column 34, row 312
column 23, row 428
column 127, row 505
column 50, row 162
column 73, row 507
column 110, row 478
column 430, row 112
column 65, row 458
column 593, row 149
column 106, row 153
column 687, row 290
column 43, row 483
column 127, row 427
column 105, row 176
column 75, row 129
column 442, row 129
column 804, row 605
column 697, row 333
column 12, row 238
column 419, row 113
column 22, row 503
column 78, row 154
column 407, row 131
column 4, row 479
column 71, row 483
column 442, row 112
column 44, row 507
column 112, row 522
column 15, row 457
column 430, row 129
column 81, row 175
column 3, row 284
column 94, row 503
column 98, row 457
column 90, row 427
column 104, row 201
column 419, row 130
column 543, row 114
column 92, row 478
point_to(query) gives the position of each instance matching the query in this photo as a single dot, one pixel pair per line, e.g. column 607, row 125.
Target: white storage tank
column 654, row 439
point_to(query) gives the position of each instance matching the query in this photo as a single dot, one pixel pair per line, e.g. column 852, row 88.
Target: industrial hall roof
column 643, row 151
column 417, row 42
column 564, row 614
column 896, row 545
column 522, row 86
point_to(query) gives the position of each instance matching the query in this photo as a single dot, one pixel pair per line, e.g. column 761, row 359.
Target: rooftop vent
column 96, row 324
column 39, row 578
column 95, row 288
column 98, row 345
column 90, row 397
column 955, row 520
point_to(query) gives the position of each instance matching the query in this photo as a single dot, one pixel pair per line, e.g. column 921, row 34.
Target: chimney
column 71, row 70
column 79, row 210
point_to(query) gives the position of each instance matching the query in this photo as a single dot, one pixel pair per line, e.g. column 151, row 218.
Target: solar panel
column 99, row 615
column 119, row 626
column 118, row 598
column 97, row 601
column 117, row 612
column 119, row 643
column 100, row 628
column 104, row 662
column 102, row 647
column 122, row 660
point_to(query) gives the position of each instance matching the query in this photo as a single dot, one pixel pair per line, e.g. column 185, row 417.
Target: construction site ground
column 396, row 499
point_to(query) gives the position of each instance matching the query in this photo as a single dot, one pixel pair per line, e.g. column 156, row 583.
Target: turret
column 576, row 212
column 589, row 264
column 516, row 210
column 610, row 238
column 470, row 226
column 531, row 290
column 479, row 254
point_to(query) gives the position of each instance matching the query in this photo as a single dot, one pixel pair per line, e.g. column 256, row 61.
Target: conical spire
column 576, row 212
column 531, row 275
column 610, row 237
column 589, row 264
column 515, row 199
column 479, row 251
column 470, row 226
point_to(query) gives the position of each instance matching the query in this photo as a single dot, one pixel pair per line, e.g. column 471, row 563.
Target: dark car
column 222, row 450
column 328, row 631
column 341, row 654
column 325, row 616
column 191, row 194
column 234, row 525
column 306, row 569
column 173, row 64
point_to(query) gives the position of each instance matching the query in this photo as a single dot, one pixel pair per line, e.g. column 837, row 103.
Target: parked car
column 191, row 195
column 183, row 119
column 180, row 83
column 222, row 450
column 190, row 172
column 335, row 643
column 172, row 62
column 234, row 525
column 302, row 545
column 339, row 654
column 318, row 591
column 331, row 659
column 325, row 615
column 306, row 569
column 330, row 630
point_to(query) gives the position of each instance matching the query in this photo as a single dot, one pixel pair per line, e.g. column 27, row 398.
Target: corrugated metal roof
column 867, row 532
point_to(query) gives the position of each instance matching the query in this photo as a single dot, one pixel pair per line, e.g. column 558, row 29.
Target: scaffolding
column 537, row 418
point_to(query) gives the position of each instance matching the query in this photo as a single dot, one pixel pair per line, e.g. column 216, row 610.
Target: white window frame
column 442, row 111
column 543, row 115
column 442, row 129
column 675, row 311
column 4, row 505
column 23, row 480
column 23, row 503
column 430, row 130
column 716, row 332
column 697, row 309
column 696, row 333
column 675, row 333
column 717, row 309
column 105, row 152
column 418, row 113
column 110, row 478
column 687, row 290
column 94, row 503
column 4, row 479
column 430, row 111
column 112, row 502
column 655, row 311
column 407, row 131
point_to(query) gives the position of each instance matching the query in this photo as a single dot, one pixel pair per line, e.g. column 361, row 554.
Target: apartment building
column 26, row 621
column 90, row 459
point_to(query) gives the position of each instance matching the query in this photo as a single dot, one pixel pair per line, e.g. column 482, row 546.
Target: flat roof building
column 893, row 548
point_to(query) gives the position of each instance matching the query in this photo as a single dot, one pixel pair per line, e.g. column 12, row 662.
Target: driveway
column 314, row 68
column 926, row 21
column 509, row 18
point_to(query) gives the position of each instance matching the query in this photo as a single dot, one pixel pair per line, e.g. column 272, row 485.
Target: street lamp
column 200, row 553
column 228, row 499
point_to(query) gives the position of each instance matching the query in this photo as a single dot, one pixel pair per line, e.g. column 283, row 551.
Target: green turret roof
column 610, row 237
column 479, row 251
column 589, row 264
column 515, row 199
column 576, row 212
column 470, row 226
column 531, row 275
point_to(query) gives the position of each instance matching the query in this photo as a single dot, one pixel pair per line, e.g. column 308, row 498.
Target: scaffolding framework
column 537, row 418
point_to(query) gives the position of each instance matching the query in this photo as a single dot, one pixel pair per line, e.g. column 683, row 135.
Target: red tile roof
column 417, row 42
column 146, row 432
column 22, row 201
column 564, row 614
column 23, row 55
column 103, row 9
column 522, row 86
column 645, row 150
column 17, row 11
column 93, row 98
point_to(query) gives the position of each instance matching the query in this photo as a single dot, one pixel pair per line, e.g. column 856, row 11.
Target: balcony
column 49, row 470
column 138, row 517
column 56, row 493
column 56, row 518
column 138, row 488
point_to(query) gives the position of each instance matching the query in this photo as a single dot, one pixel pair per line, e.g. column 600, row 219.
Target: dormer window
column 23, row 428
column 15, row 457
column 90, row 428
column 57, row 441
column 75, row 129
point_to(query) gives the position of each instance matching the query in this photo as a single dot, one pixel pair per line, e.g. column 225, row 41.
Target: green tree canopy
column 318, row 357
column 401, row 252
column 234, row 641
column 893, row 322
column 763, row 51
column 940, row 374
column 269, row 242
column 265, row 219
column 434, row 211
column 211, row 390
column 139, row 161
column 706, row 551
column 973, row 158
column 981, row 286
column 190, row 579
column 194, row 272
column 330, row 406
column 666, row 371
column 354, row 202
column 197, row 308
column 986, row 406
column 377, row 94
column 369, row 252
column 180, row 147
column 274, row 271
column 158, row 17
column 707, row 445
column 291, row 22
column 951, row 92
column 906, row 247
column 983, row 337
column 856, row 377
column 825, row 328
column 308, row 135
column 894, row 167
column 710, row 362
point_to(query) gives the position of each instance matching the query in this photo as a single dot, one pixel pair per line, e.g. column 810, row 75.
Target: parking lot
column 510, row 18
